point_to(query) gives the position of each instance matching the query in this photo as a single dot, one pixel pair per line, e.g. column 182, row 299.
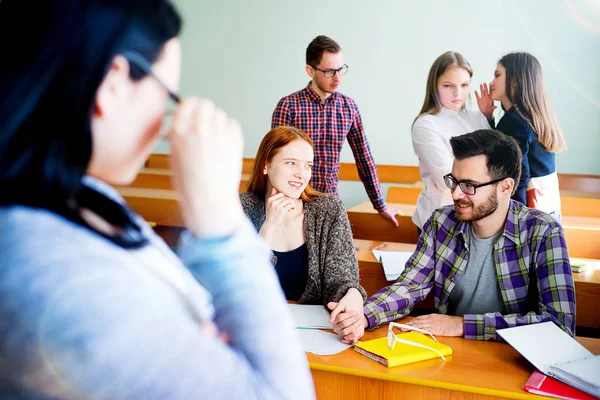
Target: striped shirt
column 329, row 123
column 532, row 271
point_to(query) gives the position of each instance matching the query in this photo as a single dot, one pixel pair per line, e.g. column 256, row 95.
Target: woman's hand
column 277, row 209
column 485, row 102
column 206, row 159
column 347, row 317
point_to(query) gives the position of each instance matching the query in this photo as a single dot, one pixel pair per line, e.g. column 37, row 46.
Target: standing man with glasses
column 330, row 117
column 491, row 262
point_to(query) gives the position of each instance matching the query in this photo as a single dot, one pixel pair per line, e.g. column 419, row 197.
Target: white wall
column 247, row 55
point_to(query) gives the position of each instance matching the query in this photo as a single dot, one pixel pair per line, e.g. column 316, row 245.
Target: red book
column 539, row 383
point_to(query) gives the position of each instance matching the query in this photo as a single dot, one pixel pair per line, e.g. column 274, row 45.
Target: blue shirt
column 537, row 161
column 84, row 317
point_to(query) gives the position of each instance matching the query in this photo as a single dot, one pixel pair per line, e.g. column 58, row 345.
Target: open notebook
column 393, row 262
column 556, row 354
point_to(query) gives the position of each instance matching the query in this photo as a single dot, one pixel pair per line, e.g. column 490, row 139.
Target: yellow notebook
column 378, row 350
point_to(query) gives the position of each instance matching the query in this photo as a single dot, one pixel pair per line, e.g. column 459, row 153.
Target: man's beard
column 481, row 211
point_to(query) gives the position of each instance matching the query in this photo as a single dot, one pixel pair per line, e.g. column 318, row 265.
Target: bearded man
column 491, row 262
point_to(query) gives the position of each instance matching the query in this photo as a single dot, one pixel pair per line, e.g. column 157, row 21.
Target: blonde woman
column 519, row 86
column 444, row 114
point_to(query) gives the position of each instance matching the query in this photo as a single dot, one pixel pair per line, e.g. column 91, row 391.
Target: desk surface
column 476, row 367
column 367, row 207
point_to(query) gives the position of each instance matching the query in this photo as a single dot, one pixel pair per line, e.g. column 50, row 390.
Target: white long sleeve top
column 431, row 142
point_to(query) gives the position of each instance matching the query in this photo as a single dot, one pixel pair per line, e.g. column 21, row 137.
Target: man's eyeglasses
column 137, row 59
column 330, row 73
column 466, row 187
column 393, row 339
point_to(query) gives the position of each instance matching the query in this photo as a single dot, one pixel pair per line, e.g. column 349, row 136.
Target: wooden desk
column 372, row 279
column 155, row 178
column 367, row 224
column 409, row 174
column 573, row 204
column 476, row 370
column 581, row 233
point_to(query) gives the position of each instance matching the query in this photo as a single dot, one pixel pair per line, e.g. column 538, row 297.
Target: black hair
column 502, row 152
column 59, row 55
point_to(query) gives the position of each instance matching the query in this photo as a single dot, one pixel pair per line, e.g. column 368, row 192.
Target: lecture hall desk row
column 573, row 204
column 372, row 278
column 161, row 207
column 476, row 370
column 582, row 234
column 574, row 185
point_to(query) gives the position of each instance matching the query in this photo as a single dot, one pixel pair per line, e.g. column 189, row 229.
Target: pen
column 381, row 246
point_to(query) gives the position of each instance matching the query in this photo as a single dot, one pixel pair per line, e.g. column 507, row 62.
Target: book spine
column 372, row 356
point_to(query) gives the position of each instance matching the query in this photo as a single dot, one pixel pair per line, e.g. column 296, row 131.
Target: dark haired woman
column 93, row 304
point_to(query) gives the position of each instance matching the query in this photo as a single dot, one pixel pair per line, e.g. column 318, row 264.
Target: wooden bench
column 580, row 183
column 153, row 178
column 572, row 203
column 367, row 224
column 150, row 178
column 584, row 185
column 404, row 174
column 372, row 279
column 161, row 207
column 580, row 193
column 581, row 233
column 161, row 161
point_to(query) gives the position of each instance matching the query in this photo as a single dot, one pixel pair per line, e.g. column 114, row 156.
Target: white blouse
column 431, row 142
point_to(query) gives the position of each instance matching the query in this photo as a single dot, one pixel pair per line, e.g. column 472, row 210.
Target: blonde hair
column 525, row 88
column 450, row 59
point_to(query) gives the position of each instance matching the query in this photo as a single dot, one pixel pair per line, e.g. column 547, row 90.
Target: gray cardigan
column 332, row 262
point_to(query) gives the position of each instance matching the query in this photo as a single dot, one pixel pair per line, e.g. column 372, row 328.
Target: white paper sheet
column 321, row 343
column 544, row 344
column 310, row 316
column 393, row 262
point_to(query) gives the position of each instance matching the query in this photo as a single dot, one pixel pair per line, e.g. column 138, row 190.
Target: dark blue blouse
column 292, row 271
column 537, row 161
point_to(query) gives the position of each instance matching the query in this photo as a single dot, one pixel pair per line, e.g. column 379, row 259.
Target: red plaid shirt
column 328, row 124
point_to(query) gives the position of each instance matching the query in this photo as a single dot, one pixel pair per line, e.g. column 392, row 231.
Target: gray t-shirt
column 477, row 290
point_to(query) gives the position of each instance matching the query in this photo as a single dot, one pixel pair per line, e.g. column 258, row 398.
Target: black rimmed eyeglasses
column 137, row 59
column 466, row 187
column 330, row 73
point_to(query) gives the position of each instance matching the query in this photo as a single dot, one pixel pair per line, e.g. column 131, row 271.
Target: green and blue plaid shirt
column 532, row 269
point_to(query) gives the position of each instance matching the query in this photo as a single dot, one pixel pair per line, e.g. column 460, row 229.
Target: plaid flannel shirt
column 532, row 270
column 328, row 124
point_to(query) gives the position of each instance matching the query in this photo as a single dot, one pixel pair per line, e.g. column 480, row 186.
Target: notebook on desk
column 378, row 350
column 556, row 354
column 393, row 262
column 581, row 265
column 545, row 385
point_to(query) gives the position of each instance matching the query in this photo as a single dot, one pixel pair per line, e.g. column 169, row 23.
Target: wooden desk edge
column 420, row 382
